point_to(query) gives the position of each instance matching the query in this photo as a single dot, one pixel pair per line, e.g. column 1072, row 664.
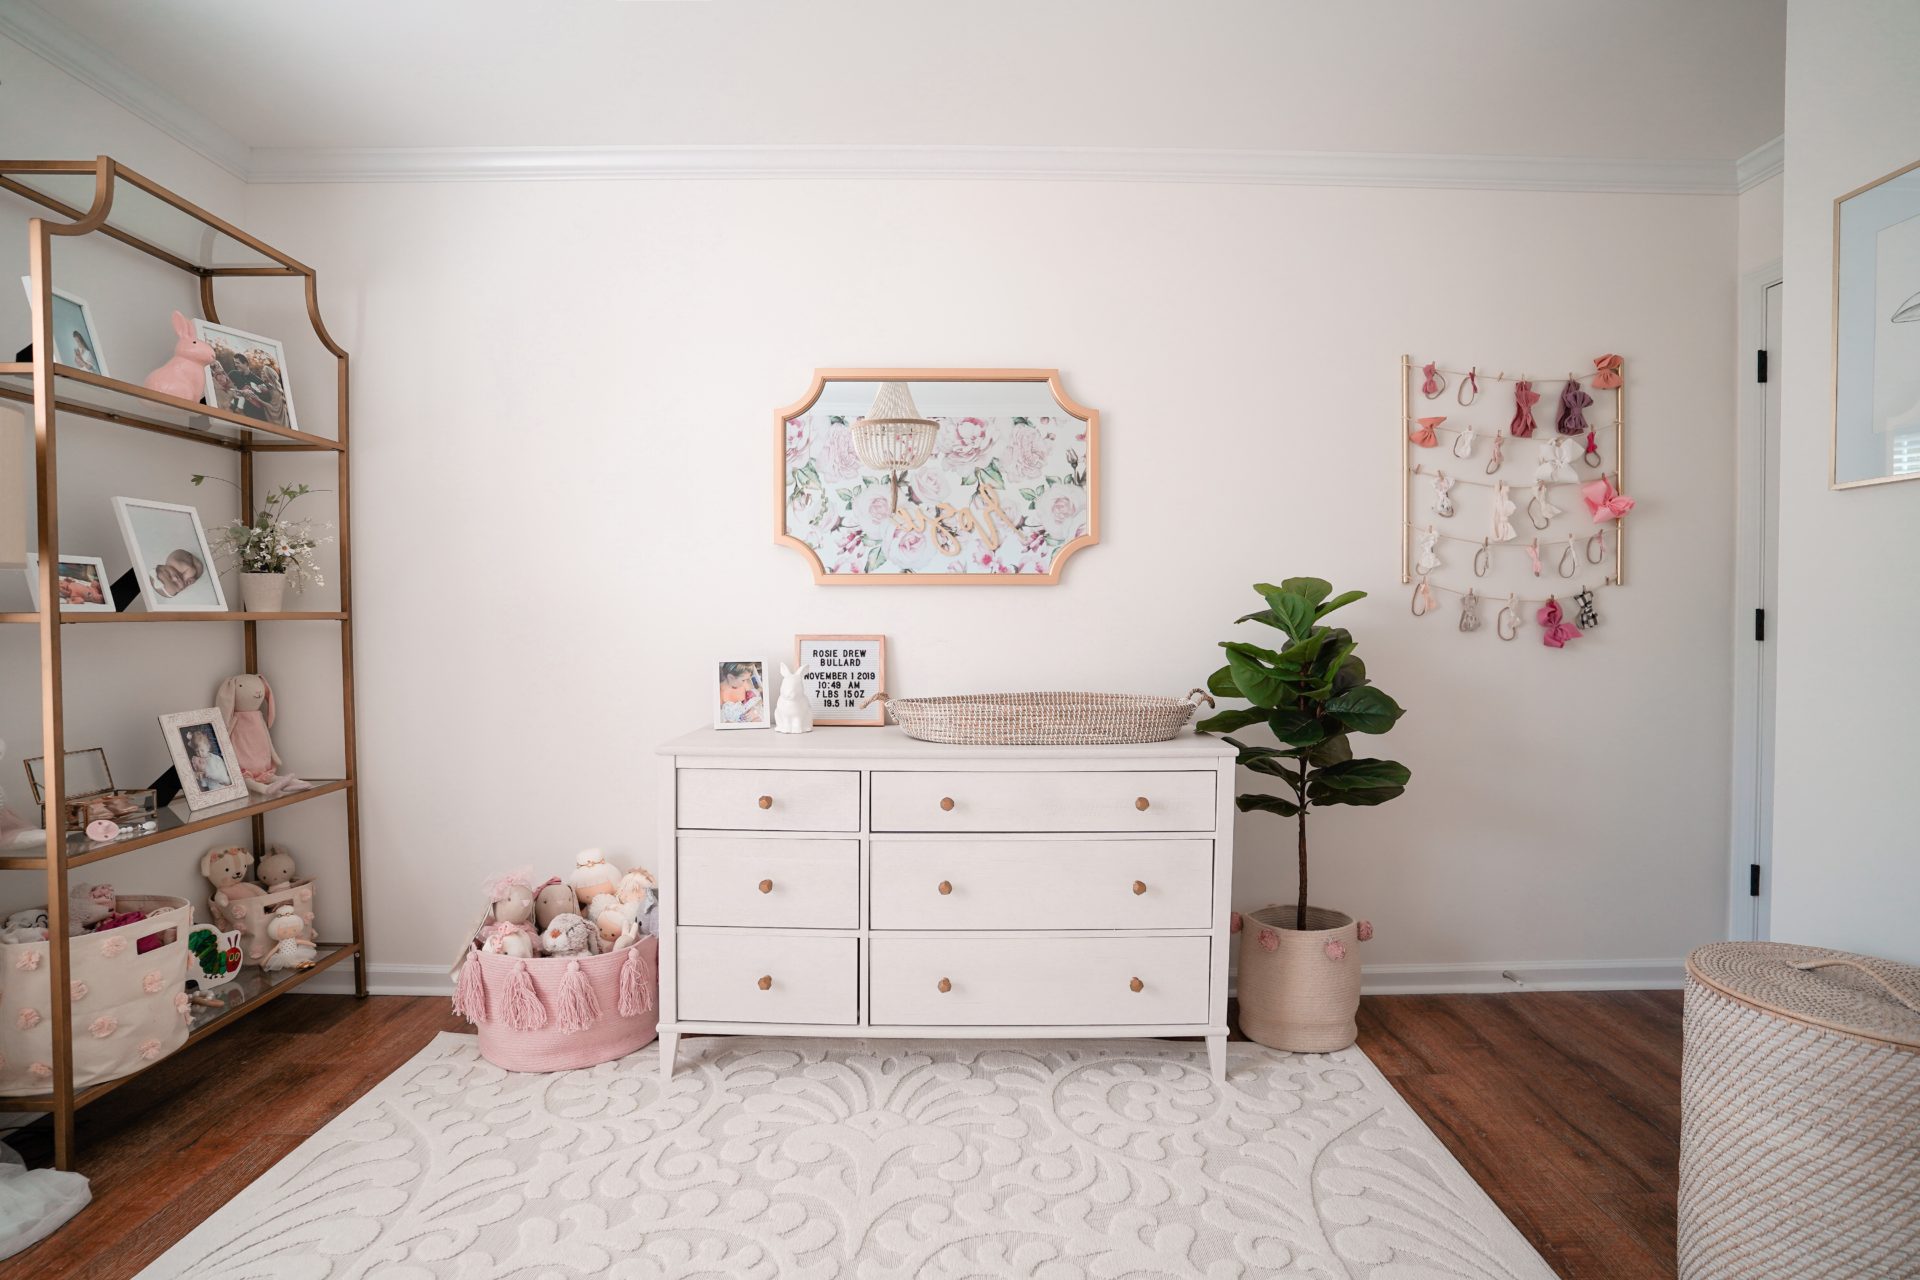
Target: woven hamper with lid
column 1800, row 1114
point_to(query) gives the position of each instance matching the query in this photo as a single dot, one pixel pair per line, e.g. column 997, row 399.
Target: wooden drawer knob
column 766, row 982
column 946, row 803
column 766, row 802
column 946, row 887
column 1141, row 804
column 945, row 986
column 1139, row 887
column 1135, row 985
column 766, row 886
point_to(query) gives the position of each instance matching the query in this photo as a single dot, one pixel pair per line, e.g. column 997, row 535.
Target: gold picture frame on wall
column 1008, row 493
column 1876, row 333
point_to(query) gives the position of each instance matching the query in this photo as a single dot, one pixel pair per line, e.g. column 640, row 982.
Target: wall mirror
column 1876, row 332
column 925, row 476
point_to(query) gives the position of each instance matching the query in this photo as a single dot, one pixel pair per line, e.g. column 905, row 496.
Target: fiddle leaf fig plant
column 1312, row 693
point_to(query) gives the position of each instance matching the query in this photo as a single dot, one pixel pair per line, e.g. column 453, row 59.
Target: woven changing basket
column 1800, row 1114
column 1043, row 719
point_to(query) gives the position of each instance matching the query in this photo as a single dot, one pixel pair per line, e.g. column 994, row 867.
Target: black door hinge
column 1759, row 624
column 1760, row 374
column 1753, row 880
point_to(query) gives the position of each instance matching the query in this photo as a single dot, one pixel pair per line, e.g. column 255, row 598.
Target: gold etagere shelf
column 103, row 197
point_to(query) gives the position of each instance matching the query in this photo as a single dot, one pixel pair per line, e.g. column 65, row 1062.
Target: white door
column 1758, row 889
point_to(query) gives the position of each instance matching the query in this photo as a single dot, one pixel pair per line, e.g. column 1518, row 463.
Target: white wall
column 1759, row 217
column 1846, row 871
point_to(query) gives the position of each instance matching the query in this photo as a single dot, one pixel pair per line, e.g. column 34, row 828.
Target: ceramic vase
column 262, row 592
column 1299, row 989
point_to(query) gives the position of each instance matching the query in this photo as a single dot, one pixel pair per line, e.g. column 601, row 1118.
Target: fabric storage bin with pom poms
column 556, row 1013
column 130, row 1005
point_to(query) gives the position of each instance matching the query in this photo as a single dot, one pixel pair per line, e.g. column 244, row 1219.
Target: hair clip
column 1423, row 434
column 1482, row 559
column 1469, row 387
column 1524, row 398
column 1597, row 547
column 1569, row 560
column 1442, row 501
column 1463, row 442
column 1540, row 510
column 1573, row 401
column 1558, row 631
column 1436, row 382
column 1603, row 502
column 1607, row 374
column 1592, row 457
column 1429, row 552
column 1503, row 510
column 1507, row 622
column 1533, row 554
column 1556, row 462
column 1470, row 611
column 1422, row 604
column 1588, row 618
column 1499, row 457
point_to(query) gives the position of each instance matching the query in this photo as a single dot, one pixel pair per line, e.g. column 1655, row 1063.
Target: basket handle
column 886, row 704
column 1198, row 696
column 1855, row 964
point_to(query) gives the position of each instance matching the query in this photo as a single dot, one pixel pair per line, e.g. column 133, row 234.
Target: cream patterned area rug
column 868, row 1159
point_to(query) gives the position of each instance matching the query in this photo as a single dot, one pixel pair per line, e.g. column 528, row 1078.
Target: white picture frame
column 843, row 671
column 202, row 752
column 79, row 575
column 76, row 342
column 728, row 711
column 158, row 534
column 242, row 378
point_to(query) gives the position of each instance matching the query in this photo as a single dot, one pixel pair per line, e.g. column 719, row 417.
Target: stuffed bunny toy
column 185, row 375
column 275, row 871
column 794, row 712
column 291, row 950
column 226, row 870
column 87, row 905
column 593, row 875
column 568, row 935
column 246, row 704
column 555, row 897
column 640, row 895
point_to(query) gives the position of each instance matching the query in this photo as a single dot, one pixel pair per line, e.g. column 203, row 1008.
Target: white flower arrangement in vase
column 272, row 553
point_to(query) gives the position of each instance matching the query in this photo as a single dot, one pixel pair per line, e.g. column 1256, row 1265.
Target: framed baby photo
column 740, row 694
column 170, row 555
column 840, row 673
column 74, row 343
column 204, row 757
column 248, row 375
column 83, row 584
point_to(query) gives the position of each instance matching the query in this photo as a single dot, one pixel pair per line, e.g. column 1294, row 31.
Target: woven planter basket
column 1799, row 1114
column 1042, row 719
column 1297, row 996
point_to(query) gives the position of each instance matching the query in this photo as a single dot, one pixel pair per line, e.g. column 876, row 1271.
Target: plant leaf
column 1296, row 728
column 1364, row 774
column 1266, row 804
column 1228, row 721
column 1317, row 794
column 1333, row 750
column 1343, row 599
column 1220, row 684
column 1257, row 681
column 1270, row 765
column 1364, row 709
column 1265, row 616
column 1293, row 614
column 1312, row 590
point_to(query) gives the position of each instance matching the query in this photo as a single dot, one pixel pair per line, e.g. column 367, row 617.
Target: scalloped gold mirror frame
column 821, row 380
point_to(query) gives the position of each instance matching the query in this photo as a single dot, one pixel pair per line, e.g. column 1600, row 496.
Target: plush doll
column 246, row 702
column 25, row 926
column 291, row 950
column 616, row 927
column 567, row 935
column 514, row 940
column 593, row 875
column 87, row 906
column 508, row 929
column 555, row 897
column 640, row 894
column 275, row 871
column 226, row 870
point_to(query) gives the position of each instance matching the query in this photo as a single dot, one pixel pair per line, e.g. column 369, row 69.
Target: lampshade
column 893, row 436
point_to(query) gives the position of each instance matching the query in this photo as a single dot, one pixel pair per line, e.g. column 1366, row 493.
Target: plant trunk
column 1300, row 907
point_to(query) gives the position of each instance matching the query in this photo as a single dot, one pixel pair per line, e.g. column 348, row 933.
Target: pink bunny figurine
column 185, row 374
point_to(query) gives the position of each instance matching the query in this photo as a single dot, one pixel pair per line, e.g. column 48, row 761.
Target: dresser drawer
column 771, row 882
column 736, row 976
column 1039, row 981
column 1044, row 800
column 1042, row 884
column 769, row 799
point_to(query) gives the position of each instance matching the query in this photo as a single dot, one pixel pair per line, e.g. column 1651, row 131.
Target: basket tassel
column 578, row 1006
column 470, row 993
column 524, row 1010
column 636, row 997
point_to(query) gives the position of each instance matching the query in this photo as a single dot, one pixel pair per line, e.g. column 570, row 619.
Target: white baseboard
column 1378, row 979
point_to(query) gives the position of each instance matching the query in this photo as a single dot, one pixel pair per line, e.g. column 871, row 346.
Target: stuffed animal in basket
column 555, row 897
column 593, row 875
column 291, row 950
column 246, row 701
column 568, row 935
column 508, row 929
column 226, row 870
column 88, row 905
column 640, row 894
column 25, row 926
column 275, row 871
column 616, row 926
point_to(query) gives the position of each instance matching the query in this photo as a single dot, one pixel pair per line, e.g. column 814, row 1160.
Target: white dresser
column 856, row 882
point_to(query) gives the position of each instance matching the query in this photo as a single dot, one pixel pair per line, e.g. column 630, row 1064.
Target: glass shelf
column 189, row 237
column 81, row 851
column 131, row 405
column 214, row 615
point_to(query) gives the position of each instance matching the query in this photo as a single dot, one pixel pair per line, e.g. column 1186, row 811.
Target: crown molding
column 1768, row 160
column 42, row 35
column 1086, row 164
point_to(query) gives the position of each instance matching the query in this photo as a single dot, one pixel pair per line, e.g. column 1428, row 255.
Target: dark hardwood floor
column 1564, row 1106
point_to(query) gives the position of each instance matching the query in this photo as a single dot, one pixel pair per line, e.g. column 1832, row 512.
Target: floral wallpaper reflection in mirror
column 999, row 495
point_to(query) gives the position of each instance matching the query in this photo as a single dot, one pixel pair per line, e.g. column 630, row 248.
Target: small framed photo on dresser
column 841, row 673
column 740, row 694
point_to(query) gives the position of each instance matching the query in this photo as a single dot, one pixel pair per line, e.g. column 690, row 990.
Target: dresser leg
column 1217, row 1058
column 669, row 1042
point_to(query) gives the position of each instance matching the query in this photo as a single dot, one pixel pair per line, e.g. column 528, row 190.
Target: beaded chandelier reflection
column 893, row 437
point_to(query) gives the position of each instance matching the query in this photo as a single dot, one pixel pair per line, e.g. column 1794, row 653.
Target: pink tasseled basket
column 557, row 1013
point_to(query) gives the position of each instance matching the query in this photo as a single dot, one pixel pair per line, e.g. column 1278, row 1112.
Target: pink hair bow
column 1524, row 398
column 1603, row 501
column 1607, row 373
column 1558, row 630
column 1423, row 434
column 1433, row 383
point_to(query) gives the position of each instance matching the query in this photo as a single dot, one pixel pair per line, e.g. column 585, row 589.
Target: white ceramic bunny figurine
column 794, row 712
column 185, row 375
